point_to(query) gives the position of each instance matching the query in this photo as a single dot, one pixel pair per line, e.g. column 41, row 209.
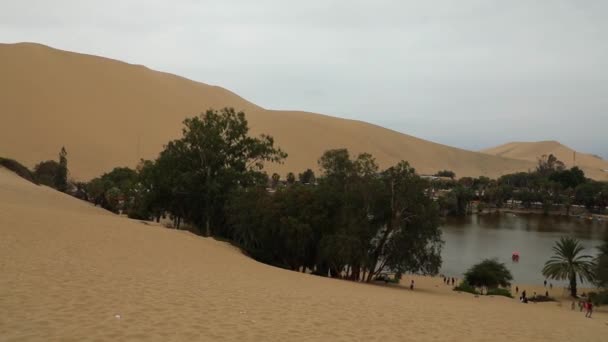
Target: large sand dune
column 73, row 272
column 594, row 166
column 109, row 113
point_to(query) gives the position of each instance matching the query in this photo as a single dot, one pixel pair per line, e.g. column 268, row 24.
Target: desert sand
column 108, row 113
column 73, row 272
column 531, row 151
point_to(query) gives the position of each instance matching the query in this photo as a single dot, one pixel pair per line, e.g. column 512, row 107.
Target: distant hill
column 108, row 113
column 531, row 151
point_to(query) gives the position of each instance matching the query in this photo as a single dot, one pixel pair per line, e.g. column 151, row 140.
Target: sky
column 467, row 73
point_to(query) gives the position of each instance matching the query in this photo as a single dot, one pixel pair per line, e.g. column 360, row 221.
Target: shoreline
column 519, row 211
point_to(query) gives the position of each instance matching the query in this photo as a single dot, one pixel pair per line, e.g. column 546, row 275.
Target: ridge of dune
column 592, row 165
column 109, row 113
column 71, row 271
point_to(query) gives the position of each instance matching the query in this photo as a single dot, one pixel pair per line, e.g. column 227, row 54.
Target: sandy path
column 67, row 269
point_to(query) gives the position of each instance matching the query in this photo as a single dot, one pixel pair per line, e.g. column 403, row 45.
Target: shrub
column 19, row 169
column 466, row 287
column 499, row 292
column 489, row 273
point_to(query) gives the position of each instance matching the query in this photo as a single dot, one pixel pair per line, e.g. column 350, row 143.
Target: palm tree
column 566, row 264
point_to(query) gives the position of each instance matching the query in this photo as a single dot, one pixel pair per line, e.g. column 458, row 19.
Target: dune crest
column 109, row 113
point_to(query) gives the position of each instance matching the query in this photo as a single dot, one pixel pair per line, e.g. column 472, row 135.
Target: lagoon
column 470, row 239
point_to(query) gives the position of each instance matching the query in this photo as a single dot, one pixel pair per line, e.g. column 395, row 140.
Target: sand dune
column 109, row 113
column 73, row 272
column 531, row 151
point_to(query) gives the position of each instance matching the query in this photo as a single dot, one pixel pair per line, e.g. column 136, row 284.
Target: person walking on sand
column 572, row 306
column 412, row 285
column 589, row 311
column 516, row 289
column 452, row 281
column 545, row 283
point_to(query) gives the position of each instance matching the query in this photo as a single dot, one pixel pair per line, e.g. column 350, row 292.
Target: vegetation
column 19, row 169
column 354, row 221
column 466, row 287
column 490, row 273
column 193, row 175
column 445, row 173
column 355, row 224
column 46, row 172
column 568, row 263
column 116, row 191
column 61, row 177
column 601, row 265
column 551, row 187
column 499, row 292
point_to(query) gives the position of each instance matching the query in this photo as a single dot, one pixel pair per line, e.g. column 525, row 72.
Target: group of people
column 447, row 280
column 584, row 305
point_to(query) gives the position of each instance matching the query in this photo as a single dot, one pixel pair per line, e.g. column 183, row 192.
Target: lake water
column 471, row 239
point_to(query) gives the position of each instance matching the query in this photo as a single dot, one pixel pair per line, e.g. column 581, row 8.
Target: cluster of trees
column 551, row 187
column 352, row 222
column 355, row 223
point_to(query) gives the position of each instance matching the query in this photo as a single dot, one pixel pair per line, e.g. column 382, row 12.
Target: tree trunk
column 573, row 285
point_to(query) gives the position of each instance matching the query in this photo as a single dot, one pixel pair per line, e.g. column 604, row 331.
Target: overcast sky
column 471, row 74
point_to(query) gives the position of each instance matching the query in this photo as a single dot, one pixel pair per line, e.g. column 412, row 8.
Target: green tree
column 61, row 177
column 587, row 194
column 489, row 273
column 46, row 172
column 569, row 179
column 215, row 155
column 568, row 263
column 407, row 236
column 307, row 177
column 548, row 164
column 275, row 180
column 445, row 173
column 114, row 198
column 462, row 198
column 291, row 178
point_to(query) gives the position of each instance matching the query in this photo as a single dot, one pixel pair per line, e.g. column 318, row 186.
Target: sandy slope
column 108, row 113
column 531, row 151
column 68, row 269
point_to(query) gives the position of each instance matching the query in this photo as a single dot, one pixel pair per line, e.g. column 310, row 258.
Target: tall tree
column 214, row 155
column 61, row 177
column 568, row 263
column 548, row 164
column 291, row 178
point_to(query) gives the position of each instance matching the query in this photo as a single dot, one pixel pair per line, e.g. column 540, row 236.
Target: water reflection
column 473, row 238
